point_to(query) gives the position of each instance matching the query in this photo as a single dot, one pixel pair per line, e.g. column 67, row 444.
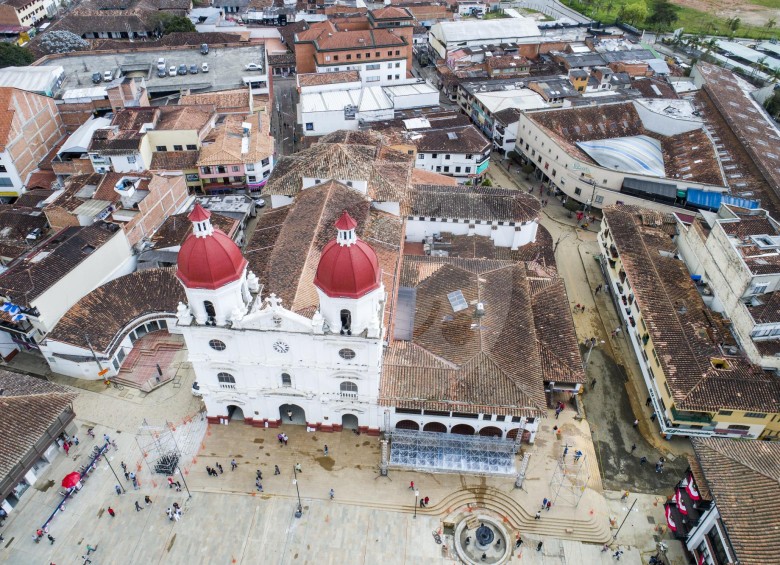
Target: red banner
column 680, row 502
column 690, row 488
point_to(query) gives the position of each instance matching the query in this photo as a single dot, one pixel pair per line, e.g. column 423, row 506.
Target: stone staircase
column 594, row 529
column 139, row 369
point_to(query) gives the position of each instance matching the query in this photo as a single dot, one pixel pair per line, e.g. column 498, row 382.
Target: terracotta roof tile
column 319, row 79
column 744, row 478
column 28, row 407
column 473, row 203
column 174, row 160
column 175, row 229
column 685, row 334
column 109, row 309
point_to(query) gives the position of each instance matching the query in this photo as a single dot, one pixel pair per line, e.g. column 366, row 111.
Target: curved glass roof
column 637, row 154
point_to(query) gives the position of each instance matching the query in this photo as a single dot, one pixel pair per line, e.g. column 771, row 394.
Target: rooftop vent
column 452, row 135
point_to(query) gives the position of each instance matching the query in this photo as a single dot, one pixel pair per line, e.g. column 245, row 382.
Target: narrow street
column 283, row 114
column 608, row 406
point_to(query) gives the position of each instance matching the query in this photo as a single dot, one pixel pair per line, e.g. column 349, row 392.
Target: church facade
column 252, row 354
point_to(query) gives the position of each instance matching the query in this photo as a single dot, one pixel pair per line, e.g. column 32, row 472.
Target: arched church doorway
column 235, row 412
column 292, row 414
column 491, row 431
column 349, row 422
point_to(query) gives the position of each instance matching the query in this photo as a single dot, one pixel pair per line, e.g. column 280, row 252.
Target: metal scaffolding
column 168, row 446
column 569, row 480
column 452, row 453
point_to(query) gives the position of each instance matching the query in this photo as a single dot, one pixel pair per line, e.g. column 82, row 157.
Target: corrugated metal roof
column 31, row 79
column 329, row 101
column 490, row 30
column 92, row 207
column 739, row 50
column 79, row 139
column 374, row 98
column 638, row 154
column 704, row 198
column 741, row 202
column 651, row 187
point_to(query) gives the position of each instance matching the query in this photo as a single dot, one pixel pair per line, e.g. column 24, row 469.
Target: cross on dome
column 201, row 224
column 346, row 225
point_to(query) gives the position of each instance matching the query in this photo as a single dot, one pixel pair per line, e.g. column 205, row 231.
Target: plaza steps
column 591, row 530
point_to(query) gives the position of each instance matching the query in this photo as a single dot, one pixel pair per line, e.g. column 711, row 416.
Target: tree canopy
column 11, row 55
column 168, row 23
column 664, row 13
column 634, row 13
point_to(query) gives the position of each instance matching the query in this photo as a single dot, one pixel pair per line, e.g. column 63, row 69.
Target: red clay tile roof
column 685, row 334
column 28, row 407
column 318, row 79
column 744, row 479
column 110, row 310
column 6, row 115
column 391, row 13
column 458, row 361
column 473, row 203
column 175, row 229
column 174, row 160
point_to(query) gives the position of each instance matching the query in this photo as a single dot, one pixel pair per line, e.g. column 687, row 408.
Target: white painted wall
column 511, row 236
column 11, row 173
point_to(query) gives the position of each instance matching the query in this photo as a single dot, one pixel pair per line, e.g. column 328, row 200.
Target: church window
column 286, row 379
column 217, row 345
column 346, row 322
column 347, row 354
column 348, row 389
column 281, row 347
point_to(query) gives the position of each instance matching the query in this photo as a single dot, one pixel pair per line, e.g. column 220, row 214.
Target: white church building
column 250, row 353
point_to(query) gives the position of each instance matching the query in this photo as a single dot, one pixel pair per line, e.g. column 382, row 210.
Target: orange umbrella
column 71, row 480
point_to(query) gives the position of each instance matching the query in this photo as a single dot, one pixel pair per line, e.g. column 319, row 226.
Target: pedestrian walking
column 544, row 503
column 539, row 546
column 279, row 437
column 51, row 539
column 648, row 401
column 75, row 441
column 124, row 467
column 426, row 501
column 565, row 451
column 118, row 489
column 636, row 423
column 276, row 470
column 652, row 417
column 643, row 460
column 259, row 485
column 557, row 412
column 538, row 515
column 259, row 475
column 170, row 480
column 633, row 447
column 577, row 455
column 657, row 467
column 289, row 415
column 169, row 512
column 138, row 506
column 326, row 450
column 219, row 466
column 598, row 289
column 285, row 439
column 625, row 495
column 90, row 549
column 111, row 512
column 106, row 438
column 332, row 494
column 617, row 554
column 86, row 560
column 549, row 505
column 66, row 447
column 147, row 500
column 233, row 464
column 298, row 468
column 422, row 503
column 518, row 541
column 411, row 485
column 127, row 476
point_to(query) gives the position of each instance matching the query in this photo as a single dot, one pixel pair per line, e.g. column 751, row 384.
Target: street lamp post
column 189, row 494
column 590, row 349
column 115, row 475
column 299, row 510
column 416, row 499
column 589, row 206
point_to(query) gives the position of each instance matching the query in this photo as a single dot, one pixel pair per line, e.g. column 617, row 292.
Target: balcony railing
column 700, row 417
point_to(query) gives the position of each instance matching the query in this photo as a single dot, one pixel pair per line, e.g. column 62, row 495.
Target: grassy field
column 694, row 21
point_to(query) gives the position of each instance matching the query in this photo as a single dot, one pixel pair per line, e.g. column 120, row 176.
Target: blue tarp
column 713, row 200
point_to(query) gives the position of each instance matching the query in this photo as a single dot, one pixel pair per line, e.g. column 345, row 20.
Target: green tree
column 634, row 13
column 733, row 24
column 528, row 168
column 168, row 23
column 772, row 104
column 487, row 182
column 664, row 14
column 771, row 22
column 11, row 55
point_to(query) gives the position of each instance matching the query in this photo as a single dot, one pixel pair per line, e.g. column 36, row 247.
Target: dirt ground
column 751, row 14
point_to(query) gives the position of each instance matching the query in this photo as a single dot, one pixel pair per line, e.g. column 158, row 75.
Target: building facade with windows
column 699, row 382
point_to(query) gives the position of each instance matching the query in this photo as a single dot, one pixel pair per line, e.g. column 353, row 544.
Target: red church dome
column 208, row 258
column 348, row 267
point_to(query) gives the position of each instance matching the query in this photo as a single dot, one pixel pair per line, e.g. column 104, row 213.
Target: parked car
column 97, row 78
column 259, row 202
column 196, row 389
column 172, row 71
column 161, row 64
column 182, row 69
column 204, row 48
column 108, row 76
column 162, row 73
column 254, row 67
column 204, row 68
column 193, row 69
